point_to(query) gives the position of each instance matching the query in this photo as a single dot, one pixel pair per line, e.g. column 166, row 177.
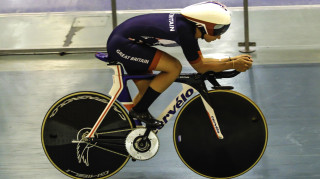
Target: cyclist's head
column 211, row 17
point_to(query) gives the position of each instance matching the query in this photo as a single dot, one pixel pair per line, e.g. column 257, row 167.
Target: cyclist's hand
column 242, row 64
column 245, row 57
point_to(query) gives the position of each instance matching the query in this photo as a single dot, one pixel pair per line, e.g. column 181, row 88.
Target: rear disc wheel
column 64, row 131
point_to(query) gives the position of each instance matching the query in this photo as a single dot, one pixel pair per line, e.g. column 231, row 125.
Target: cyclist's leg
column 142, row 86
column 139, row 59
column 170, row 69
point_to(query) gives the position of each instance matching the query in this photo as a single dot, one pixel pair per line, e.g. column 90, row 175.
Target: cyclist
column 131, row 43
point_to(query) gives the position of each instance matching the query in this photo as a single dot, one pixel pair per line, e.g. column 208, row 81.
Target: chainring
column 142, row 150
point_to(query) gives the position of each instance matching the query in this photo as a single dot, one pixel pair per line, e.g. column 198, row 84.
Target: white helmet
column 212, row 16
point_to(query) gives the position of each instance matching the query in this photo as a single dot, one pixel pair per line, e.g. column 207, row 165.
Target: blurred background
column 47, row 51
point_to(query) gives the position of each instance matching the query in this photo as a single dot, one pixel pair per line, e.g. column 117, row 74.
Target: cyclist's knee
column 174, row 68
column 177, row 67
column 169, row 64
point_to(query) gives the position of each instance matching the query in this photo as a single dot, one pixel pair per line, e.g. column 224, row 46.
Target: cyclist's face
column 210, row 38
column 206, row 37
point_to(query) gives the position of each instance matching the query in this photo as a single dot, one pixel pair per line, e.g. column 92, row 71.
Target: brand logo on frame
column 215, row 125
column 180, row 100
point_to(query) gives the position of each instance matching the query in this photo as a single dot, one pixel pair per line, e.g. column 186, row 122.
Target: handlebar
column 223, row 74
column 212, row 76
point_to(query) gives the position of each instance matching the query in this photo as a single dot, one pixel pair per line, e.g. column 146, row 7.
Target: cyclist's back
column 125, row 42
column 159, row 25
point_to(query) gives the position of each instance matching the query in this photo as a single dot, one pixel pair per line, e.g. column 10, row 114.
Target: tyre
column 242, row 124
column 67, row 123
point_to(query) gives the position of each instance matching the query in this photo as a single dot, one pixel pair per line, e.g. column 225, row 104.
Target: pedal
column 155, row 127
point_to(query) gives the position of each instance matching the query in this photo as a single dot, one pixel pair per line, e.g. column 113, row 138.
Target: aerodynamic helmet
column 211, row 17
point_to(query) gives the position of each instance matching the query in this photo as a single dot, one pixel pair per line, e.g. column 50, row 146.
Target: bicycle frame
column 120, row 92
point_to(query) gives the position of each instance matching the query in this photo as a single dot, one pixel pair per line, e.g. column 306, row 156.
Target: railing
column 246, row 44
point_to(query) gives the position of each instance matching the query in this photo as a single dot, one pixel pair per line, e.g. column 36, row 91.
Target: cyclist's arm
column 208, row 64
column 217, row 60
column 240, row 63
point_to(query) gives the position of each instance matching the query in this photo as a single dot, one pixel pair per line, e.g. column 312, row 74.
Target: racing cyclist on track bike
column 131, row 43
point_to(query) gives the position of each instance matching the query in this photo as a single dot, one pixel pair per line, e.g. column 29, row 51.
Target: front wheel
column 242, row 124
column 64, row 131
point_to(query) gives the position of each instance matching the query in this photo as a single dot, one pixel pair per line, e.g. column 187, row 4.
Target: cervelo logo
column 180, row 100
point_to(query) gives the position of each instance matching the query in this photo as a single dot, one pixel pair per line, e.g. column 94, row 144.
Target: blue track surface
column 26, row 6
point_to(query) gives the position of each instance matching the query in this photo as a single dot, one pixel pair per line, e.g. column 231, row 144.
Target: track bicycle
column 217, row 133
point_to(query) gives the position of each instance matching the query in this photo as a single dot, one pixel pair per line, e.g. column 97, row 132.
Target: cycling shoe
column 145, row 117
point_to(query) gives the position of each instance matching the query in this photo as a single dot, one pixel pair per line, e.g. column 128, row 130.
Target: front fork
column 212, row 115
column 202, row 89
